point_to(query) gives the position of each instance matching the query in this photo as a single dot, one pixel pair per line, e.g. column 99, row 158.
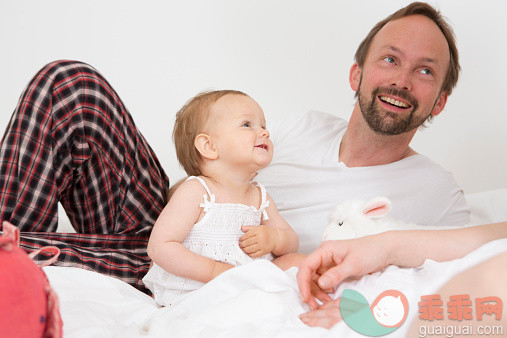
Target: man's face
column 400, row 83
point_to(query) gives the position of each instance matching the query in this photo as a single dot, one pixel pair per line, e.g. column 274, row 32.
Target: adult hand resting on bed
column 335, row 261
column 329, row 265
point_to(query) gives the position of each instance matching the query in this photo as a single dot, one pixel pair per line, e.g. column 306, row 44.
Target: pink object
column 377, row 207
column 29, row 304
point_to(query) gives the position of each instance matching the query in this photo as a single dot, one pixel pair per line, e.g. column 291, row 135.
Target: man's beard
column 385, row 122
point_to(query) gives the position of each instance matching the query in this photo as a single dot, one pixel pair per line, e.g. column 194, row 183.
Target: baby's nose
column 264, row 132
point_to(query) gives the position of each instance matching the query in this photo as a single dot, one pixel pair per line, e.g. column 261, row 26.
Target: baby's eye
column 246, row 124
column 389, row 59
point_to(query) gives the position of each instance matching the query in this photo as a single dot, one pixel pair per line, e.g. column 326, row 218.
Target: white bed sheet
column 253, row 300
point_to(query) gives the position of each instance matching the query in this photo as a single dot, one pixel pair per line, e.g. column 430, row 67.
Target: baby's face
column 238, row 128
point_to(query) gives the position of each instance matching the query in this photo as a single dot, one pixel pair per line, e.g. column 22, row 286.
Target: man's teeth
column 394, row 102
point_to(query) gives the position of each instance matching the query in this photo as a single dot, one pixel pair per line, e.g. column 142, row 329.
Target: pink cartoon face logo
column 390, row 308
column 386, row 314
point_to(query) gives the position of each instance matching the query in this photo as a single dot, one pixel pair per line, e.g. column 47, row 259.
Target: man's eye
column 388, row 59
column 427, row 71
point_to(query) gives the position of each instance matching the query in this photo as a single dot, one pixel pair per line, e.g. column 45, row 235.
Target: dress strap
column 264, row 201
column 202, row 182
column 207, row 203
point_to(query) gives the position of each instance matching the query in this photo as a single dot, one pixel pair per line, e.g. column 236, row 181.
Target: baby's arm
column 171, row 228
column 274, row 235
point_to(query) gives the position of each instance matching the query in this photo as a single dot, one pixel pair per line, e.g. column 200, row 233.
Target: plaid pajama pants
column 72, row 140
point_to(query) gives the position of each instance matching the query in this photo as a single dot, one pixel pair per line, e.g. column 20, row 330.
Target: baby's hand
column 259, row 240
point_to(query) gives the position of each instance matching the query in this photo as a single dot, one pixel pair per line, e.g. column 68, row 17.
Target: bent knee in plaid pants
column 71, row 139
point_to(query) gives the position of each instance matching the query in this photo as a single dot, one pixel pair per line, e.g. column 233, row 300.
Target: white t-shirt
column 306, row 180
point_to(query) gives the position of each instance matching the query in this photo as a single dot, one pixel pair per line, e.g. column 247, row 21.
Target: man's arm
column 334, row 261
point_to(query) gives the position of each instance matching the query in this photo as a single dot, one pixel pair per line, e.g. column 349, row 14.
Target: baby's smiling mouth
column 262, row 146
column 393, row 102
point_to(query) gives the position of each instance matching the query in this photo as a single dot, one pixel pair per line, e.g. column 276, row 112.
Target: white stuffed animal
column 357, row 218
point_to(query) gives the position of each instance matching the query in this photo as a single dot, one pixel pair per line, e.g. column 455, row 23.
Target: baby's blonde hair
column 191, row 121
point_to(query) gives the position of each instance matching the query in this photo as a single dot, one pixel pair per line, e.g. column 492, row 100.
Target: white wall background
column 289, row 55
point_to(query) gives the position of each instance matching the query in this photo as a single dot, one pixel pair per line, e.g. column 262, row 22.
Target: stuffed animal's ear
column 376, row 207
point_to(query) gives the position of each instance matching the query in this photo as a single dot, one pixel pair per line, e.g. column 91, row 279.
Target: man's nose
column 402, row 79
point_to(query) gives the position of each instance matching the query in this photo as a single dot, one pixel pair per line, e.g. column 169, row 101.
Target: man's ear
column 355, row 77
column 205, row 146
column 440, row 104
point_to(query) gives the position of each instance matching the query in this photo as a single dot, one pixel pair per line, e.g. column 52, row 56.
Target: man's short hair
column 419, row 8
column 191, row 121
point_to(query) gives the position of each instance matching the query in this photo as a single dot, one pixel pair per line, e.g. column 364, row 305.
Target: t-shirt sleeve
column 448, row 197
column 458, row 212
column 424, row 193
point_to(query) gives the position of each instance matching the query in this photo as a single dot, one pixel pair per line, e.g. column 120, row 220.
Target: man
column 405, row 69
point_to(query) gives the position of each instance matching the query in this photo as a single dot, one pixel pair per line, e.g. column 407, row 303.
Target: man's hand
column 334, row 261
column 326, row 316
column 258, row 240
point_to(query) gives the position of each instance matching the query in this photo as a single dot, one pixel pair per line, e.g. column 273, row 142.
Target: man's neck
column 362, row 147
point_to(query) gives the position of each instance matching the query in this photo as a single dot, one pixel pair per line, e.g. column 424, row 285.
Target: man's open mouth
column 394, row 103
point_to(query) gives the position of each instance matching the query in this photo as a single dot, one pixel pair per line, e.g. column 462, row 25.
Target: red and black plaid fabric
column 72, row 140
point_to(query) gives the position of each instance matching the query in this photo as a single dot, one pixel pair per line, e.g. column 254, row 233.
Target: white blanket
column 253, row 300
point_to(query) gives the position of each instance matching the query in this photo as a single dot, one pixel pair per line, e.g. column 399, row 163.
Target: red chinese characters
column 430, row 307
column 459, row 307
column 488, row 305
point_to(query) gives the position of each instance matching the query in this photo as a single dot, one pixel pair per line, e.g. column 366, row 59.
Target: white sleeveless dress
column 215, row 236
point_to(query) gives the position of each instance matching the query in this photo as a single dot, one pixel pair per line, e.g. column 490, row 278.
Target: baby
column 218, row 218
